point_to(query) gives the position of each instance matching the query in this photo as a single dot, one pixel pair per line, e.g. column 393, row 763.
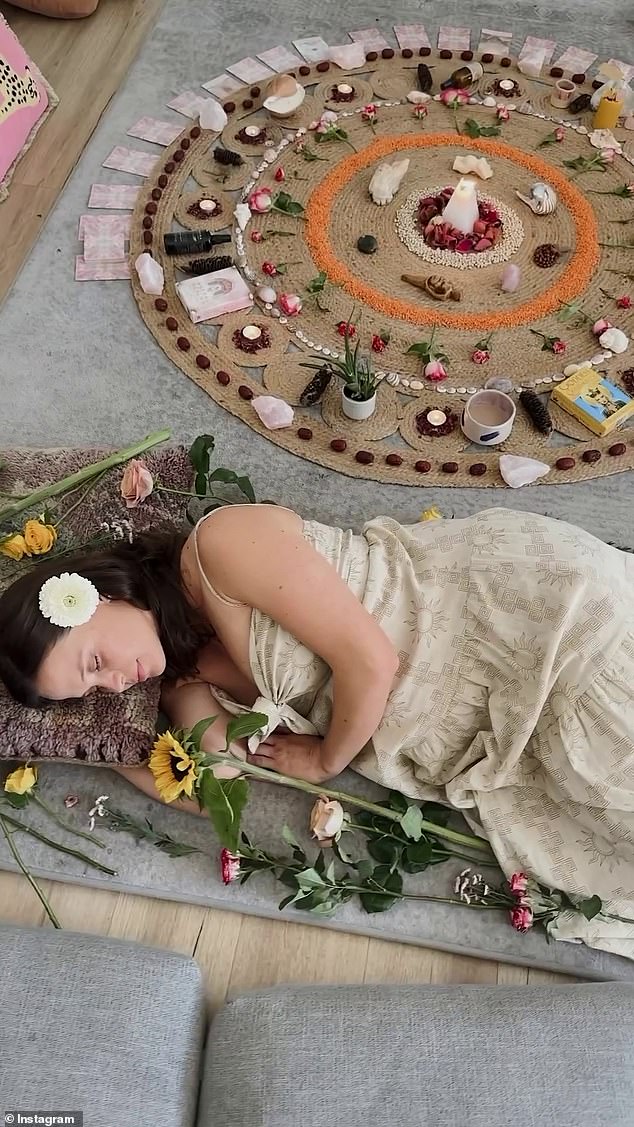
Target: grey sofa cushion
column 430, row 1056
column 109, row 1028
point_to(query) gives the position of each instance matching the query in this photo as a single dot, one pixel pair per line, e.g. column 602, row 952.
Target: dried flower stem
column 63, row 824
column 57, row 845
column 441, row 832
column 20, row 863
column 56, row 488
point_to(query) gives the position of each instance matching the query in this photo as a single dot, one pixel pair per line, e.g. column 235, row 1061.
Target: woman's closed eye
column 97, row 664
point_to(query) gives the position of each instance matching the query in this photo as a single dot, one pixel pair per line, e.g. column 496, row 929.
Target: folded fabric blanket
column 101, row 728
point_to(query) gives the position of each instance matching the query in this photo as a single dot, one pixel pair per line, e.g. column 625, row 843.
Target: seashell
column 416, row 385
column 604, row 139
column 526, row 107
column 393, row 379
column 615, row 340
column 470, row 163
column 266, row 294
column 517, row 470
column 599, row 357
column 404, row 383
column 490, row 102
column 570, row 369
column 500, row 383
column 242, row 214
column 542, row 199
column 386, row 180
column 417, row 98
column 349, row 56
column 284, row 95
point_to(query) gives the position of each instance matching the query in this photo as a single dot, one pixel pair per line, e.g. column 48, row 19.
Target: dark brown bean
column 203, row 361
column 364, row 457
column 160, row 304
column 247, row 103
column 170, row 166
column 449, row 467
column 591, row 456
column 323, row 66
column 394, row 460
column 147, row 238
column 466, row 56
column 179, row 156
column 338, row 445
column 195, row 132
column 255, row 91
column 387, row 53
column 407, row 52
column 372, row 56
column 151, row 208
column 148, row 222
column 564, row 463
column 171, row 324
column 556, row 72
column 445, row 54
column 578, row 79
column 424, row 52
column 229, row 107
column 597, row 84
column 183, row 344
column 156, row 193
column 223, row 378
column 477, row 469
column 185, row 143
column 487, row 57
column 245, row 392
column 304, row 71
column 305, row 433
column 617, row 449
column 506, row 62
column 422, row 466
column 162, row 180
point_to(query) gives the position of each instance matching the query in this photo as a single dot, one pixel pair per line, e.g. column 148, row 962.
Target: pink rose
column 480, row 356
column 420, row 112
column 290, row 304
column 559, row 346
column 260, row 200
column 229, row 866
column 624, row 302
column 326, row 820
column 136, row 484
column 454, row 97
column 608, row 155
column 521, row 917
column 369, row 110
column 503, row 114
column 435, row 372
column 518, row 883
column 560, row 133
column 601, row 326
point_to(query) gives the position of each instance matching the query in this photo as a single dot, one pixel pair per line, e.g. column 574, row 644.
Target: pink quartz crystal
column 150, row 273
column 511, row 276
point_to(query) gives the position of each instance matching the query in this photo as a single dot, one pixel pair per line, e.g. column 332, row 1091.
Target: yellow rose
column 431, row 514
column 15, row 547
column 21, row 781
column 39, row 537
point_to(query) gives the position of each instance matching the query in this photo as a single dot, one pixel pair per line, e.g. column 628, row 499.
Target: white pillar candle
column 462, row 210
column 251, row 332
column 436, row 418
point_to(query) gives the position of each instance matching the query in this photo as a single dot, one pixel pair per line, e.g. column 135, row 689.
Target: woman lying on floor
column 487, row 663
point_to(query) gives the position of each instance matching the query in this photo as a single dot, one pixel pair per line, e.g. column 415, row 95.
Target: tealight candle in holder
column 251, row 332
column 344, row 88
column 208, row 205
column 436, row 418
column 252, row 130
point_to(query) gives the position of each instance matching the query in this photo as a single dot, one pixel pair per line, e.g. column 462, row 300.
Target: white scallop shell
column 393, row 379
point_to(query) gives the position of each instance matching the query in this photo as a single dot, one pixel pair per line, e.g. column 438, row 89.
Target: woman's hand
column 296, row 756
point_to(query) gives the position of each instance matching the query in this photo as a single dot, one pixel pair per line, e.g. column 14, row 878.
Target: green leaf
column 434, row 812
column 287, row 877
column 412, row 822
column 384, row 876
column 289, row 837
column 286, row 901
column 474, row 129
column 309, row 879
column 316, row 284
column 17, row 801
column 591, row 907
column 417, row 857
column 199, row 453
column 397, row 801
column 364, row 869
column 421, row 350
column 241, row 727
column 224, row 800
column 320, row 863
column 228, row 477
column 385, row 850
column 199, row 729
column 343, row 855
column 330, row 873
column 373, row 902
column 244, row 485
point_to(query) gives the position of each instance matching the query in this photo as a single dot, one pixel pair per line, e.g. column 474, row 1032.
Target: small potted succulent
column 358, row 393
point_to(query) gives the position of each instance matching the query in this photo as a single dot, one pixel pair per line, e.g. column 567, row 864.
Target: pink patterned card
column 454, row 38
column 313, row 48
column 370, row 37
column 130, row 160
column 495, row 42
column 115, row 224
column 576, row 61
column 251, row 70
column 101, row 271
column 223, row 86
column 113, row 195
column 533, row 46
column 627, row 69
column 188, row 103
column 412, row 35
column 158, row 132
column 103, row 246
column 280, row 59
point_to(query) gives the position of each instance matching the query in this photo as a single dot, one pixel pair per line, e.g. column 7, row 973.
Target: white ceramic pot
column 488, row 417
column 357, row 409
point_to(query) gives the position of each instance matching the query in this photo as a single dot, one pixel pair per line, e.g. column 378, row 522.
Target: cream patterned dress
column 514, row 698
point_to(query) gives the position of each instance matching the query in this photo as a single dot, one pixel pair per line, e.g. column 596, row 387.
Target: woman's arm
column 259, row 556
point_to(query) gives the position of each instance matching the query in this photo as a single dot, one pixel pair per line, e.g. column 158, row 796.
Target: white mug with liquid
column 488, row 417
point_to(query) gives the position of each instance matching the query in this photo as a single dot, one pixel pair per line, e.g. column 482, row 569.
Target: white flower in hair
column 68, row 600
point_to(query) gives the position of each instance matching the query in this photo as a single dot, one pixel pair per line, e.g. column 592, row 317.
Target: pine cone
column 546, row 255
column 314, row 390
column 537, row 411
column 627, row 379
column 227, row 156
column 208, row 265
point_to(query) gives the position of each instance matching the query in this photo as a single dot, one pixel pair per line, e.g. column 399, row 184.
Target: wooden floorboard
column 85, row 61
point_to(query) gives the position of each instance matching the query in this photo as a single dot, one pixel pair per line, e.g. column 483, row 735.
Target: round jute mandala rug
column 575, row 265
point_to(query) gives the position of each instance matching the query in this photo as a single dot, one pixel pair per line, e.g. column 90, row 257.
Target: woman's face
column 117, row 648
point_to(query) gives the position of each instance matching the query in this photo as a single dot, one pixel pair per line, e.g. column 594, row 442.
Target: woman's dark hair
column 145, row 573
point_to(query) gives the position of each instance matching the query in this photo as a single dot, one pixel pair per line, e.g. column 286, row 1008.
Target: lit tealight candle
column 253, row 131
column 251, row 332
column 507, row 85
column 344, row 88
column 436, row 418
column 208, row 205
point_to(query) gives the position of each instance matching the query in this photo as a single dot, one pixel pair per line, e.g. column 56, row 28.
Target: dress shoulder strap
column 217, row 594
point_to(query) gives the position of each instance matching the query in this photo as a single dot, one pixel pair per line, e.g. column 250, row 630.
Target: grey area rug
column 79, row 367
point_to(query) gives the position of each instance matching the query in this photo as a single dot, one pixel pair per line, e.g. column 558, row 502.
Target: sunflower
column 174, row 770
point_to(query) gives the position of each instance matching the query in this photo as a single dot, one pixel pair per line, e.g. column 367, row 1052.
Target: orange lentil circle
column 570, row 283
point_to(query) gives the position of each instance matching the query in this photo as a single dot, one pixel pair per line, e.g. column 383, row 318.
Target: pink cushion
column 23, row 98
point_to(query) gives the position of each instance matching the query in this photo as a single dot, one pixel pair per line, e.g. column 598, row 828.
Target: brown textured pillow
column 62, row 9
column 102, row 728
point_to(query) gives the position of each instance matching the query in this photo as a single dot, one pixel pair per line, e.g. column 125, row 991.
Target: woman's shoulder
column 245, row 521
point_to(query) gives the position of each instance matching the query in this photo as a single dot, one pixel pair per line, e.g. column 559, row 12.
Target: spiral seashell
column 542, row 199
column 393, row 379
